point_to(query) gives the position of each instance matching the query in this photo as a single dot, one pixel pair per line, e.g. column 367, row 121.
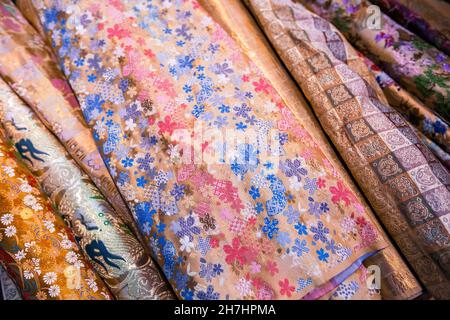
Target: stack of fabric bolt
column 164, row 150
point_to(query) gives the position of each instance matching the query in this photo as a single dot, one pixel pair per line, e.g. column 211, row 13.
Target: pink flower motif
column 286, row 289
column 118, row 32
column 341, row 193
column 272, row 267
column 320, row 183
column 262, row 85
column 235, row 252
column 167, row 125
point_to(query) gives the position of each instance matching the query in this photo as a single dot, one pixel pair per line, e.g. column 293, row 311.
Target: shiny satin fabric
column 428, row 19
column 397, row 281
column 238, row 226
column 8, row 289
column 29, row 67
column 36, row 248
column 417, row 66
column 402, row 179
column 105, row 240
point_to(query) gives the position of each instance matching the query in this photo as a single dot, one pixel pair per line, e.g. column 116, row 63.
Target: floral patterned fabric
column 239, row 225
column 29, row 67
column 402, row 179
column 105, row 240
column 428, row 19
column 417, row 66
column 36, row 248
column 397, row 281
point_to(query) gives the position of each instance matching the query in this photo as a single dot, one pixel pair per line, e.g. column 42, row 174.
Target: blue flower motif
column 291, row 214
column 283, row 238
column 177, row 191
column 301, row 228
column 186, row 62
column 270, row 227
column 224, row 108
column 187, row 294
column 209, row 294
column 141, row 182
column 127, row 162
column 254, row 192
column 320, row 232
column 324, row 207
column 187, row 228
column 300, row 247
column 198, row 110
column 259, row 207
column 322, row 255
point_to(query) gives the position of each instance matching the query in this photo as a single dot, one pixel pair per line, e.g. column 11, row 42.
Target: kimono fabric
column 105, row 240
column 428, row 19
column 418, row 67
column 8, row 289
column 36, row 248
column 402, row 179
column 397, row 281
column 29, row 67
column 249, row 217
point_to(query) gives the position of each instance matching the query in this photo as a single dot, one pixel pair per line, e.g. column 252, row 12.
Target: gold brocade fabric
column 29, row 67
column 397, row 280
column 36, row 248
column 106, row 241
column 402, row 179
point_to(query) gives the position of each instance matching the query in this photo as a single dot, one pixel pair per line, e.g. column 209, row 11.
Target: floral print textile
column 428, row 19
column 404, row 182
column 150, row 78
column 105, row 240
column 36, row 248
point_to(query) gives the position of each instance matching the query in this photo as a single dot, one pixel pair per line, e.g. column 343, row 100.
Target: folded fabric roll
column 413, row 110
column 29, row 67
column 418, row 67
column 105, row 240
column 8, row 289
column 36, row 248
column 397, row 281
column 428, row 19
column 182, row 118
column 402, row 179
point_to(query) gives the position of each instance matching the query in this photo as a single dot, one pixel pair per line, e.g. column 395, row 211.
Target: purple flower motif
column 294, row 168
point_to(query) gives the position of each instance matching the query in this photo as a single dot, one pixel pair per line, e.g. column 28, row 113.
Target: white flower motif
column 7, row 219
column 25, row 187
column 66, row 244
column 20, row 255
column 10, row 231
column 54, row 291
column 186, row 244
column 49, row 225
column 50, row 277
column 9, row 171
column 130, row 125
column 294, row 184
column 71, row 257
column 92, row 284
column 244, row 287
column 28, row 274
